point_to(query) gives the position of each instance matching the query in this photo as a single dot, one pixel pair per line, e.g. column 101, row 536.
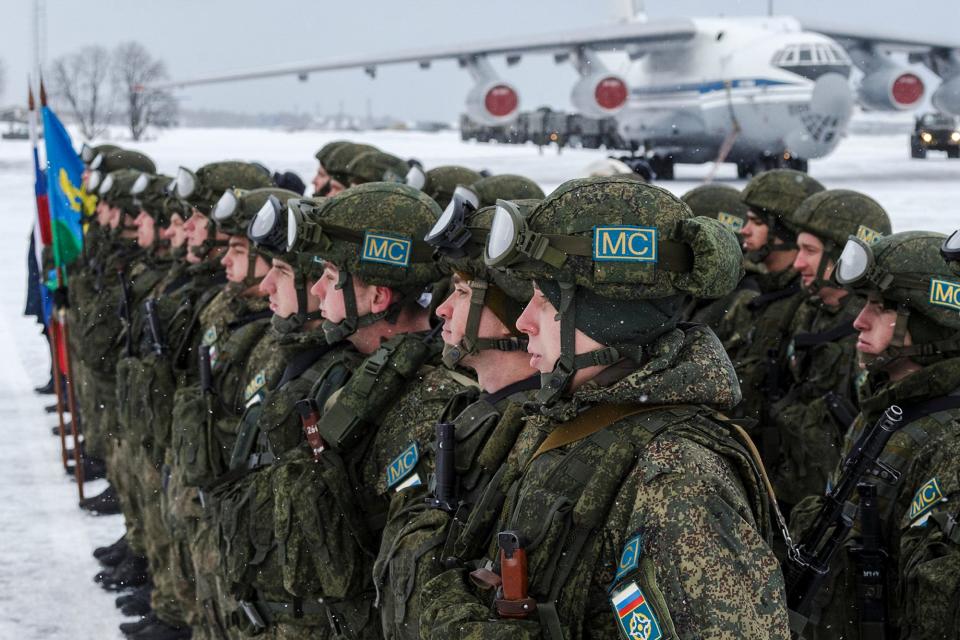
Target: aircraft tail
column 631, row 10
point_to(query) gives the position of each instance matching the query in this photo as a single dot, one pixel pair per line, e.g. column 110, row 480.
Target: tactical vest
column 567, row 491
column 485, row 432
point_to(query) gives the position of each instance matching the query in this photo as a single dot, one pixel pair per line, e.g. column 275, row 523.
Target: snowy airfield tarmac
column 46, row 568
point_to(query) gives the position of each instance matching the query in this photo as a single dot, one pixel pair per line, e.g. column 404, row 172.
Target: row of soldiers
column 436, row 404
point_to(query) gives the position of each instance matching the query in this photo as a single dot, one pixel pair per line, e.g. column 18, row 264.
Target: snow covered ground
column 45, row 563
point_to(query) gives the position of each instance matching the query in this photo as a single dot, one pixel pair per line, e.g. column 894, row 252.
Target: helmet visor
column 86, row 153
column 450, row 232
column 951, row 247
column 504, row 231
column 854, row 263
column 186, row 183
column 93, row 181
column 416, row 178
column 140, row 185
column 263, row 227
column 106, row 185
column 293, row 225
column 97, row 161
column 226, row 206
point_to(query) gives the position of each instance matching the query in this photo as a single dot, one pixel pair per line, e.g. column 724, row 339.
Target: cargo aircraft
column 760, row 92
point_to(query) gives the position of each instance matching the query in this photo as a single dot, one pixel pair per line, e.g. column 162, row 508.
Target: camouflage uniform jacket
column 267, row 457
column 757, row 330
column 329, row 509
column 923, row 570
column 822, row 359
column 652, row 526
column 419, row 537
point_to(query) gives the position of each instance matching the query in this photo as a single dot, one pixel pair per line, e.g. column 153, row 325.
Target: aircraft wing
column 635, row 37
column 888, row 40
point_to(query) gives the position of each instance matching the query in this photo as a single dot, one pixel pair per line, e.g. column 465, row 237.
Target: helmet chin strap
column 470, row 342
column 555, row 383
column 296, row 321
column 897, row 350
column 204, row 248
column 338, row 331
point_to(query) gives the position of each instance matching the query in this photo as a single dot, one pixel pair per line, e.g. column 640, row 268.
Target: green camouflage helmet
column 114, row 160
column 503, row 293
column 506, row 187
column 115, row 190
column 373, row 231
column 337, row 161
column 908, row 273
column 203, row 188
column 88, row 152
column 617, row 258
column 774, row 194
column 440, row 182
column 150, row 194
column 327, row 149
column 718, row 201
column 833, row 216
column 836, row 214
column 376, row 166
column 236, row 208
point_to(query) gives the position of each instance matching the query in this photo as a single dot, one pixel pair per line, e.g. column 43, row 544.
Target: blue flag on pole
column 66, row 193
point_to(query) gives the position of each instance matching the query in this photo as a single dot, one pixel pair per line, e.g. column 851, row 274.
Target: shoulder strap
column 930, row 407
column 302, row 361
column 808, row 340
column 586, row 424
column 770, row 297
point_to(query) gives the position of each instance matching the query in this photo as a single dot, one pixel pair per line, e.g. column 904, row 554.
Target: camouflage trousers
column 122, row 474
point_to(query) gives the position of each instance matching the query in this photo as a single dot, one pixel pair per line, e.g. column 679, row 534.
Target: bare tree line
column 91, row 82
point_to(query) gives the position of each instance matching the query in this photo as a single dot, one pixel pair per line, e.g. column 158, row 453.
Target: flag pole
column 61, row 301
column 50, row 322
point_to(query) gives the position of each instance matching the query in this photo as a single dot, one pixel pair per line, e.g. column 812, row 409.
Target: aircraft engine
column 492, row 102
column 599, row 95
column 947, row 96
column 890, row 88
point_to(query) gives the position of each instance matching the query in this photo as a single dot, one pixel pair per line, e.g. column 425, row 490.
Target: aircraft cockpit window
column 813, row 60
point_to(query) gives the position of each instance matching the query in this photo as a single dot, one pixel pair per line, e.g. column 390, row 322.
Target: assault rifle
column 125, row 312
column 809, row 562
column 153, row 323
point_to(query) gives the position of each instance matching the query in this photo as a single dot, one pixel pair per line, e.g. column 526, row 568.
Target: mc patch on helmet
column 945, row 293
column 731, row 221
column 625, row 243
column 927, row 495
column 386, row 249
column 634, row 614
column 402, row 466
column 868, row 235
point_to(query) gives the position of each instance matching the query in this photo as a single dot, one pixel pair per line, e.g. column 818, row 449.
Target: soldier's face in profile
column 145, row 229
column 103, row 213
column 335, row 187
column 455, row 310
column 809, row 255
column 876, row 325
column 321, row 179
column 174, row 232
column 113, row 216
column 540, row 322
column 236, row 260
column 754, row 232
column 280, row 286
column 331, row 298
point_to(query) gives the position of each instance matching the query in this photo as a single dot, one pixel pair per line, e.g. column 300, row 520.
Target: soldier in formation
column 439, row 403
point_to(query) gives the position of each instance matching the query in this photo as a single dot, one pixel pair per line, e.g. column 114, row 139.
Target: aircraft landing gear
column 662, row 166
column 766, row 162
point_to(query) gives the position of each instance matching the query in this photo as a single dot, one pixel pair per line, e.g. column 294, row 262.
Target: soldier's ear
column 382, row 298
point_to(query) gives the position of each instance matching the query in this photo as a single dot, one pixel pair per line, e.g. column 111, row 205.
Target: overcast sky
column 200, row 37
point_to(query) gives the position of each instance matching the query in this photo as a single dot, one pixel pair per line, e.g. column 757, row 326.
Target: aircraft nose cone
column 819, row 130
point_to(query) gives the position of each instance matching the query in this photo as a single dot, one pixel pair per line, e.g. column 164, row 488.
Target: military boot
column 68, row 430
column 100, row 551
column 140, row 593
column 106, row 503
column 132, row 572
column 93, row 469
column 114, row 558
column 160, row 630
column 129, row 628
